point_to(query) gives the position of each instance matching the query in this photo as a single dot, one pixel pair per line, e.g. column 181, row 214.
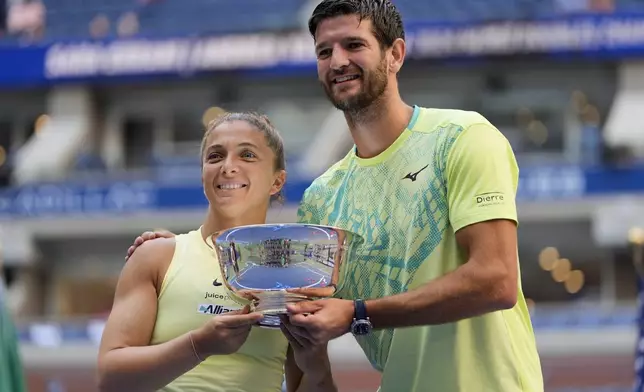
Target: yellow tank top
column 190, row 294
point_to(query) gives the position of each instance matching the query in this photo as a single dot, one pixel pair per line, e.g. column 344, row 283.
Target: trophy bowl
column 262, row 264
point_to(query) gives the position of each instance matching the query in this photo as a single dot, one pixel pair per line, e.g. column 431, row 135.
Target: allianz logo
column 213, row 309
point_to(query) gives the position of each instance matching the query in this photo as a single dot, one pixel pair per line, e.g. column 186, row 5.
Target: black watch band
column 361, row 324
column 360, row 312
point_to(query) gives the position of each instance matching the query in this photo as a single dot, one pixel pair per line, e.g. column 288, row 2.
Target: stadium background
column 102, row 106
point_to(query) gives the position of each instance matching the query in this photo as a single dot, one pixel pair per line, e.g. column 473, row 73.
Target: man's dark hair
column 383, row 14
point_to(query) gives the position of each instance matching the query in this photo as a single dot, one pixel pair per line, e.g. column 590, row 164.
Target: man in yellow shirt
column 434, row 296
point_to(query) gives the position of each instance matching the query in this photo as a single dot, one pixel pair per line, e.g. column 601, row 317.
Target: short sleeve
column 482, row 177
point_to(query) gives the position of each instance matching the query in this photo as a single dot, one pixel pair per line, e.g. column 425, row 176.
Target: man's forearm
column 146, row 368
column 468, row 291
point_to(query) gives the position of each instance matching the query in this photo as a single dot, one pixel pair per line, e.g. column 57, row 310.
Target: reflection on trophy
column 262, row 264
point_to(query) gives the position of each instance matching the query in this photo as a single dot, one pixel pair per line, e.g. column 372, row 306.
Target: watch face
column 361, row 327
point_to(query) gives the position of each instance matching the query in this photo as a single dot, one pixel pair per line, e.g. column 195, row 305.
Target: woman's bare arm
column 126, row 362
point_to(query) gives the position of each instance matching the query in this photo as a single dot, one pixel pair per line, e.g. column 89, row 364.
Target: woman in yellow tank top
column 172, row 327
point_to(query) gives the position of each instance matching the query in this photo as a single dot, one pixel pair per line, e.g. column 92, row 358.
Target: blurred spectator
column 128, row 25
column 591, row 137
column 602, row 5
column 11, row 373
column 27, row 19
column 99, row 27
column 584, row 6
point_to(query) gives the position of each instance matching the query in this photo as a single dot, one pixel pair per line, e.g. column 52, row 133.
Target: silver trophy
column 262, row 264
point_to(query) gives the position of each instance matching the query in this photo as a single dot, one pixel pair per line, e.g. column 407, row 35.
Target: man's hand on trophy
column 148, row 235
column 224, row 334
column 309, row 356
column 322, row 320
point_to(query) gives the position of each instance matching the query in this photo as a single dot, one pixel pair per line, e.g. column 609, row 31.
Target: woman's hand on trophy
column 249, row 295
column 224, row 334
column 309, row 356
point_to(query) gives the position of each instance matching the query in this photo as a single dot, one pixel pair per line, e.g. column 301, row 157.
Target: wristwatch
column 361, row 324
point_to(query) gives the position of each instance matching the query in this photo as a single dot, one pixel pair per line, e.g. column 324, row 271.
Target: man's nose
column 339, row 59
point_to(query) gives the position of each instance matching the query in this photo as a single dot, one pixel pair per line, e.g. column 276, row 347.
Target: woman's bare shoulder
column 151, row 259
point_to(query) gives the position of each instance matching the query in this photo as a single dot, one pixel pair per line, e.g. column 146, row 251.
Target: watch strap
column 360, row 312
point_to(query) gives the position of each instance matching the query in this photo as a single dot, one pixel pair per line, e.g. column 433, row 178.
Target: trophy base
column 270, row 321
column 272, row 304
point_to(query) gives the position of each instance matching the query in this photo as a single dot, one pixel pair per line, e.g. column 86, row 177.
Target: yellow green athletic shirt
column 447, row 170
column 192, row 293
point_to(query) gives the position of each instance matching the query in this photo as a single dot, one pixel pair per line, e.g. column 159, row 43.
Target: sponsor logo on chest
column 217, row 293
column 214, row 309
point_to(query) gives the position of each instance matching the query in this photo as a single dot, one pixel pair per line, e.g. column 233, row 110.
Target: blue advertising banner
column 573, row 182
column 613, row 36
column 122, row 197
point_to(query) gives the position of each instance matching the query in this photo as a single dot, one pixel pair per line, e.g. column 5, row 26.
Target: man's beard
column 374, row 84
